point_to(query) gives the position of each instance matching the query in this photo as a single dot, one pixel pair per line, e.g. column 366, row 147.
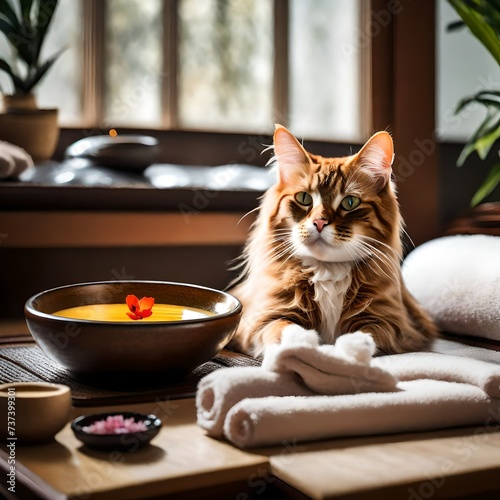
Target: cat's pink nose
column 320, row 224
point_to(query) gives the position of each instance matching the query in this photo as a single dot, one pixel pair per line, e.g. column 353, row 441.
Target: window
column 132, row 63
column 326, row 95
column 62, row 86
column 221, row 65
column 225, row 64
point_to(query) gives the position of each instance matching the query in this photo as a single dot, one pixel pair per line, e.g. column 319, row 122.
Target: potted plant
column 25, row 24
column 482, row 17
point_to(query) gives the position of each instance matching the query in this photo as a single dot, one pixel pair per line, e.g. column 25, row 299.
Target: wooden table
column 183, row 462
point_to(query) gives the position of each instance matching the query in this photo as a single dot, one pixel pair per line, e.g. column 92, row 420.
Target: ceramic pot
column 23, row 124
column 483, row 219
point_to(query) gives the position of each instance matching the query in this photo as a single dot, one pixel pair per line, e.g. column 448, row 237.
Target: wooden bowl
column 94, row 347
column 33, row 412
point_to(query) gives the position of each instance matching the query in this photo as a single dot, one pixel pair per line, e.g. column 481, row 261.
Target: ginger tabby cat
column 325, row 253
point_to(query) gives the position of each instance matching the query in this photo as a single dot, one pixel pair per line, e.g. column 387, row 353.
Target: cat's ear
column 292, row 159
column 376, row 158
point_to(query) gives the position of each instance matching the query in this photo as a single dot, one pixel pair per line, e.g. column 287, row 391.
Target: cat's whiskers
column 377, row 253
column 271, row 243
column 385, row 245
column 275, row 258
column 353, row 256
column 285, row 247
column 379, row 259
column 248, row 213
column 281, row 235
column 387, row 252
column 367, row 251
column 292, row 254
column 408, row 236
column 276, row 252
column 272, row 252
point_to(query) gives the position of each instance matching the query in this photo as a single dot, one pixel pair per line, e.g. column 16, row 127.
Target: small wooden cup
column 33, row 412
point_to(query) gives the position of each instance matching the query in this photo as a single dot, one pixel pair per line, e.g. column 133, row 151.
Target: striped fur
column 340, row 279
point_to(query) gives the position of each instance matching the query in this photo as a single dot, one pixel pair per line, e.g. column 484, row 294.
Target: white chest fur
column 331, row 281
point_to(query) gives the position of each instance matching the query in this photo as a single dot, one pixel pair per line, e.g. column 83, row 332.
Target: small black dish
column 130, row 441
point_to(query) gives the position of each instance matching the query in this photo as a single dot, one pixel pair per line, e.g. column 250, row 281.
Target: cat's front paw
column 294, row 335
column 359, row 346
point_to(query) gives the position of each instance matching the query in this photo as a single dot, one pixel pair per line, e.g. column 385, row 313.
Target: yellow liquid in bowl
column 118, row 312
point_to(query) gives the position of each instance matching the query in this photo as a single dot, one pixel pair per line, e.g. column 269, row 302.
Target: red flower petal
column 145, row 314
column 131, row 315
column 146, row 303
column 132, row 302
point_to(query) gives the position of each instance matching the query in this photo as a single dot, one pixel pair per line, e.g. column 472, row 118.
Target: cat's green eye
column 350, row 202
column 304, row 198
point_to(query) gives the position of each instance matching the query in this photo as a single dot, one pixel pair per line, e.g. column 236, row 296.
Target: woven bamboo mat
column 28, row 363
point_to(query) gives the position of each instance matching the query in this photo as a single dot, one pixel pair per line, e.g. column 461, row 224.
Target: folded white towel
column 421, row 405
column 457, row 280
column 343, row 368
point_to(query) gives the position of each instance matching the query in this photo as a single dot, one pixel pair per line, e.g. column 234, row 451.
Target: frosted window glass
column 133, row 62
column 225, row 64
column 325, row 69
column 464, row 67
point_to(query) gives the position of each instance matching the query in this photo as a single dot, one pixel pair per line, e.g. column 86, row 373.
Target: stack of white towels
column 306, row 391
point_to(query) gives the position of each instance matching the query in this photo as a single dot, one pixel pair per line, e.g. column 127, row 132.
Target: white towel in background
column 457, row 280
column 13, row 160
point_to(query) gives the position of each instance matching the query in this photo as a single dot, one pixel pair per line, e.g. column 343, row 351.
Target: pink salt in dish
column 124, row 431
column 115, row 424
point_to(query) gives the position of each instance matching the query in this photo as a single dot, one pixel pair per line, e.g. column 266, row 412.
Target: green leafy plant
column 25, row 24
column 482, row 17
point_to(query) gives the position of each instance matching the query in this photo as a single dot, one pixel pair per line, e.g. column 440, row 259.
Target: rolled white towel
column 420, row 405
column 219, row 391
